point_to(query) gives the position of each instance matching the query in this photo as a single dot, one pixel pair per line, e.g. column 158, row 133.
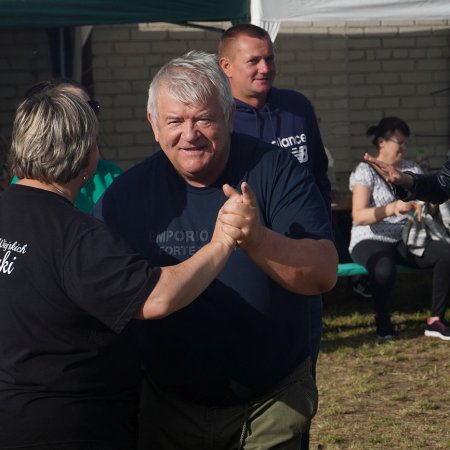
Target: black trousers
column 379, row 258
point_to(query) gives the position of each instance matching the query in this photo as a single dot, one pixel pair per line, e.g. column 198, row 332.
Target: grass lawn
column 392, row 395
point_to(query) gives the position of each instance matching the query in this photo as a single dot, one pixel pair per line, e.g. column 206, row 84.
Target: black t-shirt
column 69, row 287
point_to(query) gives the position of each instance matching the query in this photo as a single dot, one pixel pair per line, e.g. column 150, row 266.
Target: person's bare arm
column 363, row 214
column 303, row 266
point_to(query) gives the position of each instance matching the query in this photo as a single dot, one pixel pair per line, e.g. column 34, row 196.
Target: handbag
column 421, row 227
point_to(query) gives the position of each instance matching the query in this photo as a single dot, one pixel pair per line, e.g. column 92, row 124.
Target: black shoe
column 361, row 287
column 384, row 328
column 439, row 329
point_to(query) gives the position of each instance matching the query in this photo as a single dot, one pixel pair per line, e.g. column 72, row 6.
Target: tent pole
column 62, row 65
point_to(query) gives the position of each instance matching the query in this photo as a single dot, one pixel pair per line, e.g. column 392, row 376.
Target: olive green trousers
column 273, row 421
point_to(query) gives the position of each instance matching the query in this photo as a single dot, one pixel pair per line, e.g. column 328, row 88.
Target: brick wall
column 125, row 59
column 354, row 74
column 24, row 60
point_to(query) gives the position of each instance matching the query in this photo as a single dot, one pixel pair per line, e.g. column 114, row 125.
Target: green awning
column 59, row 13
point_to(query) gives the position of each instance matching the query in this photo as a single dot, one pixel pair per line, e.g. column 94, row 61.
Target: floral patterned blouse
column 390, row 228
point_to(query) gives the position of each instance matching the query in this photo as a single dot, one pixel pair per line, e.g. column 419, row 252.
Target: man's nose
column 190, row 131
column 263, row 66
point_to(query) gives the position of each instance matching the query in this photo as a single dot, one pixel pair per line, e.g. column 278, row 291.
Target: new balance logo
column 301, row 153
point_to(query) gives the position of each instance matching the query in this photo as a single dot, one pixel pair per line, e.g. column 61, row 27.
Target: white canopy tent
column 269, row 13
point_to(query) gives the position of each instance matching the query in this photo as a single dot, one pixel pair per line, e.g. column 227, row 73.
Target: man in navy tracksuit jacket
column 282, row 117
column 287, row 120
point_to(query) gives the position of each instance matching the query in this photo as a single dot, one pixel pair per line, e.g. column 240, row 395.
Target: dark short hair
column 386, row 128
column 246, row 29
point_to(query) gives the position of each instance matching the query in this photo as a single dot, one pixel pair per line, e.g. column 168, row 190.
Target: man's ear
column 225, row 65
column 153, row 125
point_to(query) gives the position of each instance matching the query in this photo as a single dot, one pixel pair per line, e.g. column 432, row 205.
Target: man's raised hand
column 241, row 212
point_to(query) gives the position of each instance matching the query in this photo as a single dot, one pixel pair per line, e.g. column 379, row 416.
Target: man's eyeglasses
column 95, row 105
column 399, row 143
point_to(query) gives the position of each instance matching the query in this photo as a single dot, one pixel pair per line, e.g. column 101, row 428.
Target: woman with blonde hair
column 69, row 289
column 106, row 170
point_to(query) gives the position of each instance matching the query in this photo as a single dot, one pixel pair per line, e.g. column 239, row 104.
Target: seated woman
column 69, row 289
column 376, row 235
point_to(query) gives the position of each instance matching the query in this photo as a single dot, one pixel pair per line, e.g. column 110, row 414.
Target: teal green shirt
column 89, row 194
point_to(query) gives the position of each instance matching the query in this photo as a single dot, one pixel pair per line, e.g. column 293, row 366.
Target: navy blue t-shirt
column 245, row 332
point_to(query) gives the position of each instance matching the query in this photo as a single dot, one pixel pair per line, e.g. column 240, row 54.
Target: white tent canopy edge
column 269, row 13
column 351, row 10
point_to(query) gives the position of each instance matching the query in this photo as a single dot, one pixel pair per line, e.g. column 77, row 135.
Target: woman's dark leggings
column 379, row 258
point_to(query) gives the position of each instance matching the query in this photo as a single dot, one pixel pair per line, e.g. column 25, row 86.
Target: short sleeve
column 296, row 207
column 104, row 277
column 363, row 175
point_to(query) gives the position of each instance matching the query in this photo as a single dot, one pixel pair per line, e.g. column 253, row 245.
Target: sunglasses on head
column 95, row 105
